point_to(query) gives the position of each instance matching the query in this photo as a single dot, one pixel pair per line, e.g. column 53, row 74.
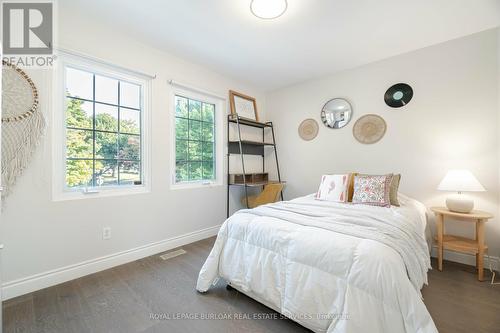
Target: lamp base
column 459, row 203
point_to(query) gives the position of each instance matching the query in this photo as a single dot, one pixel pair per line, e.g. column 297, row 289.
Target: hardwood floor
column 459, row 303
column 137, row 296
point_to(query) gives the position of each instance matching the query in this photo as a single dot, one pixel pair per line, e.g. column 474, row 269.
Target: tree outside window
column 103, row 131
column 194, row 140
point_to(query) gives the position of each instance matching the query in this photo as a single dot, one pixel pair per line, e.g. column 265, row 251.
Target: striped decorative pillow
column 334, row 188
column 372, row 190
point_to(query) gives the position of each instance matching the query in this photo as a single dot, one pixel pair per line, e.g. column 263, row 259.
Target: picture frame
column 243, row 105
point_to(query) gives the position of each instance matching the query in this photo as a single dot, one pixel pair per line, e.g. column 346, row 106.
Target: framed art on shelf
column 243, row 105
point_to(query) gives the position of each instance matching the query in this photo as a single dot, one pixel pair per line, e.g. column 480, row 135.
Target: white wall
column 41, row 235
column 452, row 122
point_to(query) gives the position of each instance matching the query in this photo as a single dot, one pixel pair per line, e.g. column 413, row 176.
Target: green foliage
column 194, row 110
column 78, row 145
column 78, row 172
column 195, row 146
column 111, row 147
column 75, row 116
column 106, row 122
column 208, row 112
column 181, row 107
column 181, row 128
column 129, row 126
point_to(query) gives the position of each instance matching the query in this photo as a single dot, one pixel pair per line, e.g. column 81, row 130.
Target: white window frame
column 86, row 63
column 220, row 111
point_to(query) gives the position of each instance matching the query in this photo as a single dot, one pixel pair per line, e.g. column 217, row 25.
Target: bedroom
column 101, row 237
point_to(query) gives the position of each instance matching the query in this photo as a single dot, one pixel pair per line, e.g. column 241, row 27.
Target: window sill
column 194, row 185
column 103, row 193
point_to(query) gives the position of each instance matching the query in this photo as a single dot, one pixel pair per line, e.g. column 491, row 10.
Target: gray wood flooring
column 137, row 297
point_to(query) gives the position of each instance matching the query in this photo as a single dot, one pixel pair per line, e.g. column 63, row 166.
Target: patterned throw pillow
column 372, row 190
column 396, row 179
column 334, row 188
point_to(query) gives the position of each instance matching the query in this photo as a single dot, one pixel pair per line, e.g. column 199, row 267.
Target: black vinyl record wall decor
column 398, row 95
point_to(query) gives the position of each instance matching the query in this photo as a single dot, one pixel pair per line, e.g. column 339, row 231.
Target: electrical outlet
column 106, row 233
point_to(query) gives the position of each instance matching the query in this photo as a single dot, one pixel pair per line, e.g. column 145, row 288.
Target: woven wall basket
column 369, row 129
column 308, row 129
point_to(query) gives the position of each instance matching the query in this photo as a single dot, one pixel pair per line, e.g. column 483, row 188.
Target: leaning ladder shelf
column 245, row 147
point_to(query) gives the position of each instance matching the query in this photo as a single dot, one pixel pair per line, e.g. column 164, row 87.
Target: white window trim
column 59, row 190
column 220, row 111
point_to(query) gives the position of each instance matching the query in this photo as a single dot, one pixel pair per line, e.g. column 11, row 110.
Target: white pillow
column 334, row 188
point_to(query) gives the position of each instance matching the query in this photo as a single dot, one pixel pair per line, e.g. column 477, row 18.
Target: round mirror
column 336, row 113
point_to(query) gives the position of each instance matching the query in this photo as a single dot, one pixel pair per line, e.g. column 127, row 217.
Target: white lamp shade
column 460, row 181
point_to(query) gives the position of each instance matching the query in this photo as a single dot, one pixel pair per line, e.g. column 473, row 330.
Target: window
column 194, row 140
column 102, row 114
column 103, row 130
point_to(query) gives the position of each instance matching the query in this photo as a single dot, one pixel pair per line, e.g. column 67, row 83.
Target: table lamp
column 460, row 181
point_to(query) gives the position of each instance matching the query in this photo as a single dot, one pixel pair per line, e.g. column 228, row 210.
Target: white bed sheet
column 325, row 280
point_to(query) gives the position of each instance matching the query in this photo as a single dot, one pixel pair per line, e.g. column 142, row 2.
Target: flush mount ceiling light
column 268, row 9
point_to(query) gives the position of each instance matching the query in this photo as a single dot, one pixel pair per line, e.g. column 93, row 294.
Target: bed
column 331, row 267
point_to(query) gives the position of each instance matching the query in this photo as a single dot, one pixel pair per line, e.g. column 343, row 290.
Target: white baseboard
column 468, row 259
column 50, row 278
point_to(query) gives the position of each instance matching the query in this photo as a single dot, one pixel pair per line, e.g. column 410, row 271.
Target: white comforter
column 331, row 267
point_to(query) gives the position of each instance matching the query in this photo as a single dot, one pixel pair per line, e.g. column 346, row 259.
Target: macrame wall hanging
column 22, row 123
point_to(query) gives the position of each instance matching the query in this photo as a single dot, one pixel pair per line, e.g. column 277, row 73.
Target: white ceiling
column 313, row 38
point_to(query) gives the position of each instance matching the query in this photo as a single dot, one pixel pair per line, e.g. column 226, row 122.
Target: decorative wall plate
column 308, row 129
column 369, row 129
column 398, row 95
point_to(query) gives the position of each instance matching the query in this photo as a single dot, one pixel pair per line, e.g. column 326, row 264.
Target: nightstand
column 475, row 246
